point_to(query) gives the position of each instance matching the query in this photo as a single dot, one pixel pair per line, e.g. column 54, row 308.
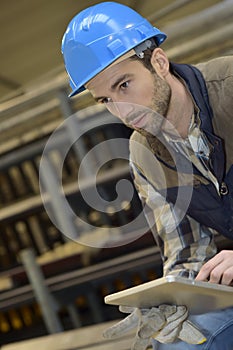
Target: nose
column 120, row 109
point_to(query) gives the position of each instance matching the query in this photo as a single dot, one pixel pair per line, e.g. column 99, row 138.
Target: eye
column 124, row 85
column 105, row 100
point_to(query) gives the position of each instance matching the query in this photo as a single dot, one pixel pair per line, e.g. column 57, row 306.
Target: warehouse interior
column 41, row 150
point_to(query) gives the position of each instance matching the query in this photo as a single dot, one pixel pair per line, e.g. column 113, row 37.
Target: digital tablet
column 199, row 297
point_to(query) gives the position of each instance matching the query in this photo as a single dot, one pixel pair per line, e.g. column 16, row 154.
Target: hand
column 165, row 324
column 219, row 269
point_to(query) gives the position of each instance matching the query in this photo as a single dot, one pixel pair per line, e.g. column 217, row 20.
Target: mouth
column 138, row 122
column 146, row 122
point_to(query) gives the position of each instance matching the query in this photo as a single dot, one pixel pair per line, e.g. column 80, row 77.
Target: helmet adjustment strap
column 147, row 44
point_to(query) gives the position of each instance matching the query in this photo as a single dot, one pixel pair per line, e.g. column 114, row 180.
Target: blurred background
column 34, row 251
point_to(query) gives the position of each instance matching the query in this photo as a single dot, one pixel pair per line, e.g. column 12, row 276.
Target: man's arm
column 218, row 74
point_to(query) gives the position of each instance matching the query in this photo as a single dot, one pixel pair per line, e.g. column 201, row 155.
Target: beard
column 158, row 109
column 162, row 95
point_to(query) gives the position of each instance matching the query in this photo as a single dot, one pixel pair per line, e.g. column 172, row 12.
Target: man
column 182, row 170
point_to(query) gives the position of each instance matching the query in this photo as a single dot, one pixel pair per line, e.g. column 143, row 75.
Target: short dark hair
column 146, row 60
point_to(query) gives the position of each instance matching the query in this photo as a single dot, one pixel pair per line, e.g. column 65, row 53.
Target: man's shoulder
column 137, row 145
column 137, row 137
column 216, row 69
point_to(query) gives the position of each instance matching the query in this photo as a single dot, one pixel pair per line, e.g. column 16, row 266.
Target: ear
column 160, row 62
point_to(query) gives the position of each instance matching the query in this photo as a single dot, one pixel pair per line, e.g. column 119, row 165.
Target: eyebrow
column 114, row 85
column 119, row 80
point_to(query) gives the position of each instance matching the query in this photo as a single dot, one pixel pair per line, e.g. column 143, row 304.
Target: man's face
column 132, row 93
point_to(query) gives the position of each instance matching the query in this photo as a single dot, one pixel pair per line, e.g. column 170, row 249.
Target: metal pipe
column 200, row 22
column 43, row 91
column 75, row 133
column 74, row 315
column 61, row 212
column 41, row 291
column 218, row 38
column 29, row 114
column 167, row 10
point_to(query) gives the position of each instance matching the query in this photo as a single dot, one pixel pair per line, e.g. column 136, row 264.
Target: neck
column 180, row 109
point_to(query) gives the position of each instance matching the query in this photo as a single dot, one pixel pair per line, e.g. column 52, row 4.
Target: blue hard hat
column 99, row 35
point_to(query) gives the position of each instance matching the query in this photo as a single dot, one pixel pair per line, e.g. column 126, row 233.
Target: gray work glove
column 165, row 323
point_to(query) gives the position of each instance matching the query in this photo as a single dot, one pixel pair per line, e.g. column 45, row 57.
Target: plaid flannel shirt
column 186, row 246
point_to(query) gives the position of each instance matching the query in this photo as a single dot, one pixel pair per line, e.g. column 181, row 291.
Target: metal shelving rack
column 78, row 287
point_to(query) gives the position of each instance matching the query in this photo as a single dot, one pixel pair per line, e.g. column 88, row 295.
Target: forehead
column 113, row 72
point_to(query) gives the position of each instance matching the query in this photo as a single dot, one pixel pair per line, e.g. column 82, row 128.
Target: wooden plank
column 89, row 338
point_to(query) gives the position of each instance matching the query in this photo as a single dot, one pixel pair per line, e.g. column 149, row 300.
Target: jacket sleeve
column 218, row 74
column 184, row 244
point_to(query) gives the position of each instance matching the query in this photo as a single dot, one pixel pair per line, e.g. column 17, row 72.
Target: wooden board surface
column 88, row 338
